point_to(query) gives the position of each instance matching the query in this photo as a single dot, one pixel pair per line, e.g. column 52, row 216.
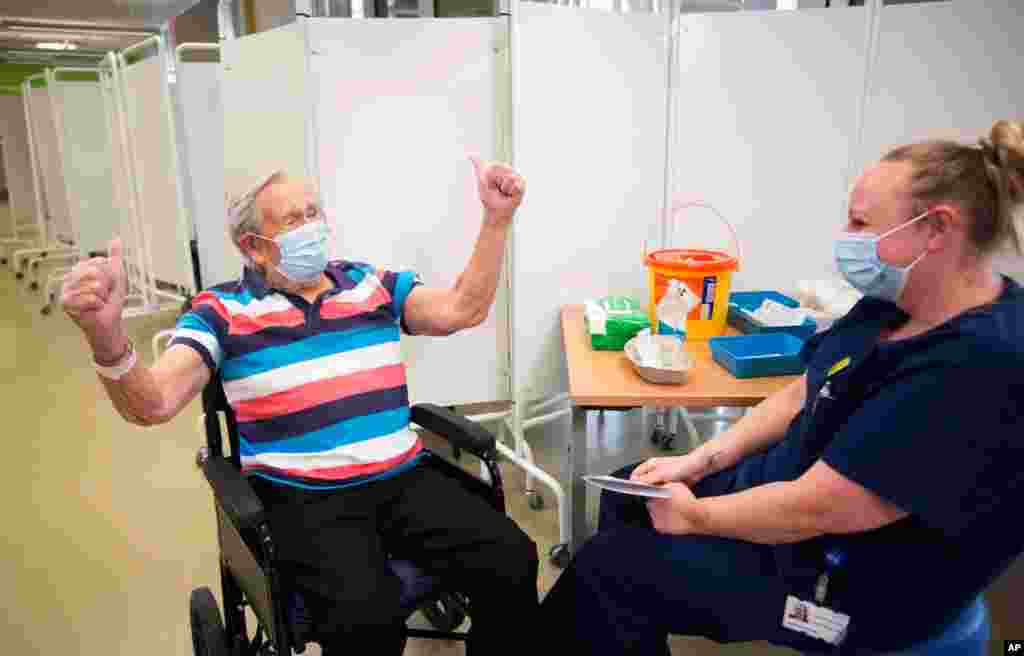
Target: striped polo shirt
column 318, row 389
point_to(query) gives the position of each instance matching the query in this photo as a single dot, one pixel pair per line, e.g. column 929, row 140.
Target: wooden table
column 600, row 380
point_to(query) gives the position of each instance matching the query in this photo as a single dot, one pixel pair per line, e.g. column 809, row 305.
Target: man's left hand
column 501, row 190
column 678, row 514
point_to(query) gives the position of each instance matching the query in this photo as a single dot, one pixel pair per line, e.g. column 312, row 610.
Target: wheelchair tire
column 446, row 613
column 208, row 635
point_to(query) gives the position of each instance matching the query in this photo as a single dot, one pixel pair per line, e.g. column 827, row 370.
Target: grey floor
column 108, row 527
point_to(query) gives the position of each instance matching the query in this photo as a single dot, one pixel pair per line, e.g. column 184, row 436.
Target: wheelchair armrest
column 461, row 432
column 233, row 493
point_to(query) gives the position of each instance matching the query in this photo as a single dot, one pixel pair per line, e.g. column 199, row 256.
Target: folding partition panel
column 399, row 107
column 50, row 173
column 765, row 117
column 590, row 139
column 945, row 70
column 381, row 116
column 85, row 154
column 129, row 229
column 267, row 107
column 17, row 163
column 201, row 108
column 154, row 164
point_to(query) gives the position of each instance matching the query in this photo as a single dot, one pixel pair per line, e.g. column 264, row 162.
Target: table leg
column 576, row 467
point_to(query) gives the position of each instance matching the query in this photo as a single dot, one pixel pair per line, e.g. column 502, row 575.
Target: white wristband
column 117, row 371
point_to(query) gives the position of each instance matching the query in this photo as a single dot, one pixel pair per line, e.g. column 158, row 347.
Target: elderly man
column 308, row 352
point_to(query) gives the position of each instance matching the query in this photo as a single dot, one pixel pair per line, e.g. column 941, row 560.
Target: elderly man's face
column 282, row 207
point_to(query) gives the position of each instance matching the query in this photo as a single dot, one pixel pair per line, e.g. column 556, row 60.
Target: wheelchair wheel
column 208, row 635
column 446, row 613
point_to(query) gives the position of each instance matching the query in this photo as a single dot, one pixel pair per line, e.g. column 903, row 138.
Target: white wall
column 16, row 154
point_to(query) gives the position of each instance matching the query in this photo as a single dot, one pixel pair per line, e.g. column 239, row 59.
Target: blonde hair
column 986, row 180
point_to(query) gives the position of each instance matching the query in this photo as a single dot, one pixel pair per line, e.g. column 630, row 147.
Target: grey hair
column 243, row 217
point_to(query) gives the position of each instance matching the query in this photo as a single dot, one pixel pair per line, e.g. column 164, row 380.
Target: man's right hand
column 689, row 469
column 93, row 296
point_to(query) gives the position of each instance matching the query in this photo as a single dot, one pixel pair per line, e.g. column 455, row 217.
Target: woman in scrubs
column 870, row 502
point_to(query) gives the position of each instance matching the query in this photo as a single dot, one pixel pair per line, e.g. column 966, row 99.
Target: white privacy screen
column 399, row 106
column 87, row 162
column 17, row 162
column 48, row 162
column 765, row 116
column 945, row 70
column 591, row 144
column 202, row 113
column 267, row 109
column 160, row 210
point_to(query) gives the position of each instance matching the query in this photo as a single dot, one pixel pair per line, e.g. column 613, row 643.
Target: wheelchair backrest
column 215, row 403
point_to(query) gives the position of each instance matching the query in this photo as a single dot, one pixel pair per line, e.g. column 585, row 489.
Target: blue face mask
column 303, row 252
column 858, row 260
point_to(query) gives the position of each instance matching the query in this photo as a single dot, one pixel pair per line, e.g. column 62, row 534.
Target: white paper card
column 815, row 621
column 623, row 486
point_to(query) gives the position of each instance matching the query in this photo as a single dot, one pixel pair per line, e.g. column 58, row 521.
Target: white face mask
column 303, row 253
column 858, row 260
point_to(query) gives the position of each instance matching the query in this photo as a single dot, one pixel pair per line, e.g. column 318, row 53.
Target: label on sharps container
column 665, row 329
column 707, row 298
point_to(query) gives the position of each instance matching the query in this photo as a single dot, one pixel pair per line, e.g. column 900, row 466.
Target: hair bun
column 1005, row 146
column 1004, row 150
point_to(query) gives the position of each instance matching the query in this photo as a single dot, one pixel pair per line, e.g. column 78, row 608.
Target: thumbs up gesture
column 501, row 189
column 93, row 296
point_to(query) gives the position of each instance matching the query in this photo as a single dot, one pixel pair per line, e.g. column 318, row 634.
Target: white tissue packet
column 775, row 314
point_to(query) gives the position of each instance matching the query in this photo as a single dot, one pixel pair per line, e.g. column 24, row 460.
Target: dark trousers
column 334, row 545
column 629, row 587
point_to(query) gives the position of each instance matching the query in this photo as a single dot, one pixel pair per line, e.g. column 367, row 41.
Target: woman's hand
column 689, row 469
column 679, row 514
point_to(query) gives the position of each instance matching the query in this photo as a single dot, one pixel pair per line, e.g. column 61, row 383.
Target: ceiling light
column 56, row 45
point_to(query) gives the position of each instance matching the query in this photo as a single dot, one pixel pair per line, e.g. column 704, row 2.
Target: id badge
column 816, row 621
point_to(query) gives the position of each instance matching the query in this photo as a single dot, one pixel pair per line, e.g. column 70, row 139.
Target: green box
column 612, row 321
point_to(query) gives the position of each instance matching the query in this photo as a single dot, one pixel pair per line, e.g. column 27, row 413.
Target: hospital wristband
column 117, row 370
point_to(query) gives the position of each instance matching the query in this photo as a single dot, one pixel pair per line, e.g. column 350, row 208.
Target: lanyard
column 835, row 558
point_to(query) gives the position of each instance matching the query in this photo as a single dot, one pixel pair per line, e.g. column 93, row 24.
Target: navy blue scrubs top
column 933, row 424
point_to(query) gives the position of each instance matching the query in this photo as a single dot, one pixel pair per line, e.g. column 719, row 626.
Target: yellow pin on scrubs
column 839, row 366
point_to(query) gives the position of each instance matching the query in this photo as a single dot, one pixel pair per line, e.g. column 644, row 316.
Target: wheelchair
column 250, row 576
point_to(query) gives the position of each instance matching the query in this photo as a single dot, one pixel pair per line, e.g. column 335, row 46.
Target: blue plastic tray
column 754, row 356
column 751, row 301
